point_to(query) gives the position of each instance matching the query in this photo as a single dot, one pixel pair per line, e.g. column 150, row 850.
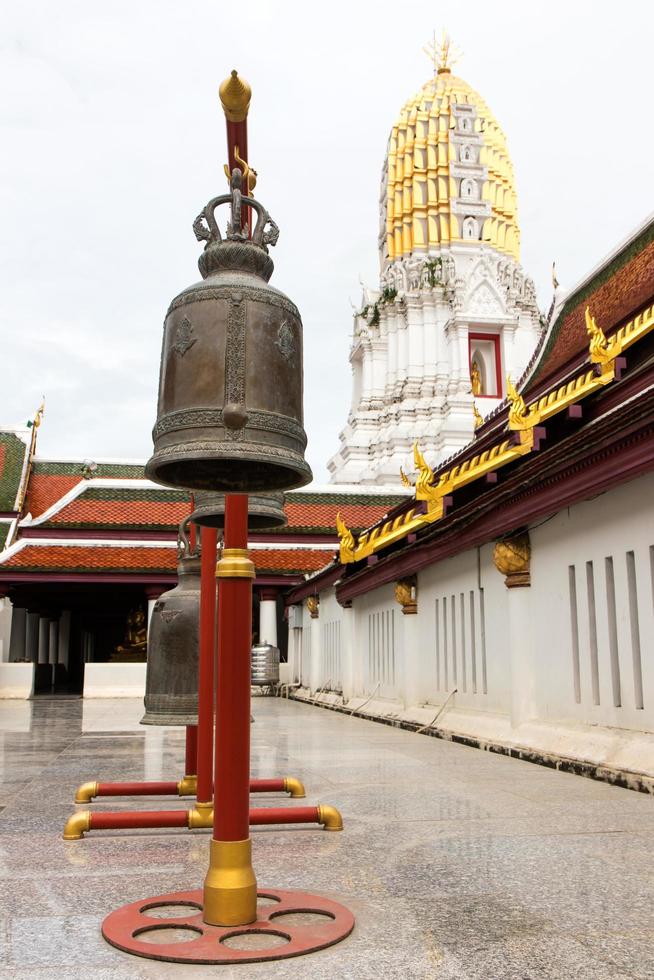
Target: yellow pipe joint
column 330, row 817
column 86, row 792
column 187, row 786
column 200, row 817
column 77, row 825
column 294, row 787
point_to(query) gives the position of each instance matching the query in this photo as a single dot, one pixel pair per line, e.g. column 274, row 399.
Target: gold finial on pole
column 235, row 95
column 442, row 54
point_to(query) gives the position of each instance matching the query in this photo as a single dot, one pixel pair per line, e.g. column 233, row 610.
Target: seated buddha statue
column 135, row 644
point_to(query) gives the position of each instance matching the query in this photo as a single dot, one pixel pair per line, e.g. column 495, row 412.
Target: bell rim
column 291, row 467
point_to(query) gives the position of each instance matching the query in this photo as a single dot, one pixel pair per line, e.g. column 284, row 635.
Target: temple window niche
column 470, row 229
column 485, row 365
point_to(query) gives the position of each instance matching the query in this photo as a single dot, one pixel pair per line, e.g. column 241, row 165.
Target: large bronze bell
column 171, row 678
column 230, row 388
column 265, row 510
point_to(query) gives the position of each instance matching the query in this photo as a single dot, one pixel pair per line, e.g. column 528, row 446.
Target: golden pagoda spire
column 442, row 54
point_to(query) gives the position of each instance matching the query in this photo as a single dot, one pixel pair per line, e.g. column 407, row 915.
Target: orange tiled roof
column 46, row 490
column 88, row 558
column 297, row 560
column 123, row 513
column 617, row 292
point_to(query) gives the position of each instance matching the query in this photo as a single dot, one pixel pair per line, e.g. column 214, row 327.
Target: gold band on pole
column 230, row 888
column 235, row 563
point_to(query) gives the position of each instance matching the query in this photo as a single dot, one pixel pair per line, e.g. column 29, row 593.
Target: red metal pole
column 209, row 542
column 232, row 748
column 230, row 888
column 191, row 756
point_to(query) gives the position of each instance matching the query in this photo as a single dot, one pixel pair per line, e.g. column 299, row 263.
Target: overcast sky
column 113, row 139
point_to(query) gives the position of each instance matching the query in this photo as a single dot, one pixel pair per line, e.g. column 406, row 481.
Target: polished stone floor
column 457, row 863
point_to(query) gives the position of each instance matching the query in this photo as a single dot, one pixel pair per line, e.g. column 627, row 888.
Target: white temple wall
column 592, row 574
column 575, row 648
column 5, row 628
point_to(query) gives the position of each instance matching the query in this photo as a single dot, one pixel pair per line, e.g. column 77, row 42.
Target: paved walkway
column 457, row 863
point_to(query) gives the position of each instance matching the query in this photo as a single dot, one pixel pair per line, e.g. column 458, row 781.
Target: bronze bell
column 265, row 510
column 230, row 388
column 171, row 678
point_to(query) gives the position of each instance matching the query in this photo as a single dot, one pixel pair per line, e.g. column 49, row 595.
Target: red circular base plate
column 127, row 927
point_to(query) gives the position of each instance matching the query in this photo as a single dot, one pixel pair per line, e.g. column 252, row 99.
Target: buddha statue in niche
column 475, row 379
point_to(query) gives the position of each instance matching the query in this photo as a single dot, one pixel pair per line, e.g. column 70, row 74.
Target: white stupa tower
column 454, row 313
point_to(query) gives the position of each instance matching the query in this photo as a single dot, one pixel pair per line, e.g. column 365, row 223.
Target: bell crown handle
column 184, row 549
column 206, row 227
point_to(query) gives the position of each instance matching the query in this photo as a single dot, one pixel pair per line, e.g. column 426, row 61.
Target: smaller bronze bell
column 171, row 678
column 265, row 510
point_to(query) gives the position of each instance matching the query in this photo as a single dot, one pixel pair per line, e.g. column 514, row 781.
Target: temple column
column 402, row 354
column 63, row 640
column 464, row 358
column 416, row 347
column 391, row 375
column 378, row 381
column 44, row 635
column 366, row 375
column 313, row 605
column 428, row 387
column 268, row 616
column 347, row 651
column 17, row 641
column 512, row 558
column 152, row 593
column 294, row 643
column 32, row 637
column 53, row 644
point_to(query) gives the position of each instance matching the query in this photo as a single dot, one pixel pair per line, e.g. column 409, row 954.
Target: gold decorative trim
column 406, row 593
column 512, row 558
column 313, row 605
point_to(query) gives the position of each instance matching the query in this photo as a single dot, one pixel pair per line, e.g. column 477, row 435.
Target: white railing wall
column 576, row 645
column 592, row 598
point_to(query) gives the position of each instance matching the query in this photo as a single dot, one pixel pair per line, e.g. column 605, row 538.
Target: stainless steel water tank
column 265, row 664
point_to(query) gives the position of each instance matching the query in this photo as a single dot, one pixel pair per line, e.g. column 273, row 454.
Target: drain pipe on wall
column 440, row 711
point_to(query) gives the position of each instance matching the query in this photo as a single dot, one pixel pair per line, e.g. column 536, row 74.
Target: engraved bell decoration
column 230, row 389
column 171, row 679
column 265, row 510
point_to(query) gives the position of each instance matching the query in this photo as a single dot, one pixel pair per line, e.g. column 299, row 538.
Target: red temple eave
column 611, row 450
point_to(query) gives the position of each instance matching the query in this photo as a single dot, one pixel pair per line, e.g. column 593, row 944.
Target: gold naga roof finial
column 425, row 478
column 36, row 421
column 406, row 482
column 346, row 537
column 518, row 409
column 599, row 349
column 478, row 417
column 442, row 54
